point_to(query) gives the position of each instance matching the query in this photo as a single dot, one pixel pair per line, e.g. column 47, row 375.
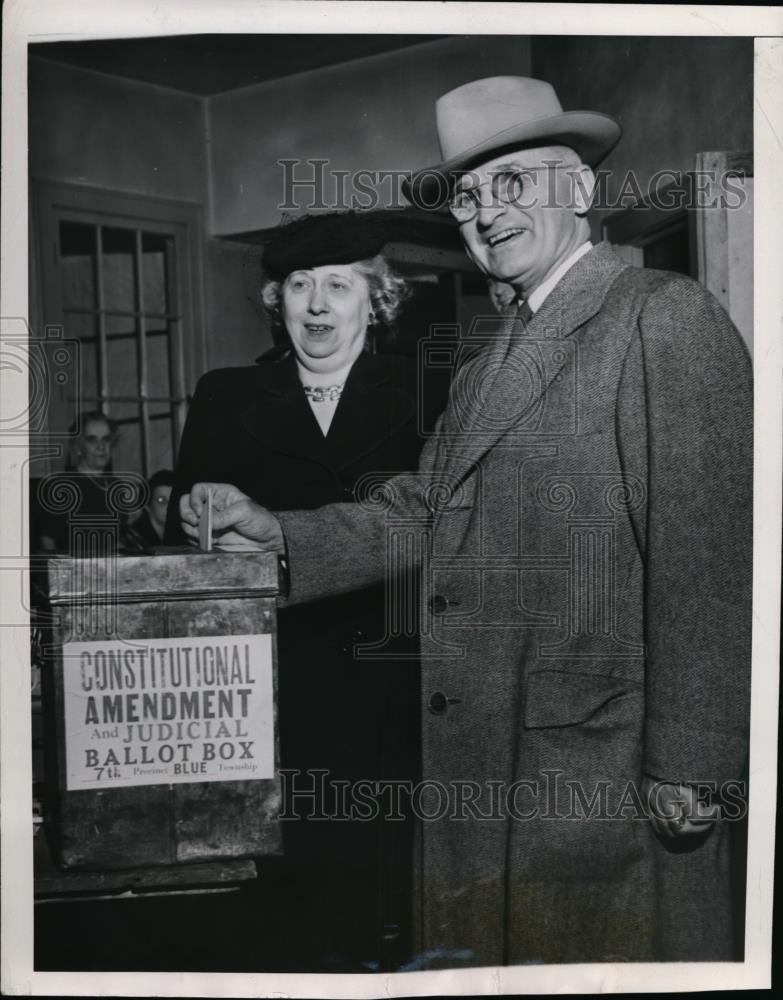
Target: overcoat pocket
column 566, row 698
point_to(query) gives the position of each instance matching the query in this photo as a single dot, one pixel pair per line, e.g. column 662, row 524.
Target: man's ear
column 583, row 185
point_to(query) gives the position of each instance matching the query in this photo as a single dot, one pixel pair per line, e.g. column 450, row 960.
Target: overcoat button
column 438, row 703
column 438, row 604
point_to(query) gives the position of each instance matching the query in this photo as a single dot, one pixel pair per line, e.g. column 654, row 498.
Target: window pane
column 126, row 456
column 119, row 280
column 86, row 381
column 77, row 264
column 158, row 371
column 153, row 269
column 159, row 326
column 120, row 326
column 72, row 376
column 89, row 389
column 160, row 442
column 122, row 367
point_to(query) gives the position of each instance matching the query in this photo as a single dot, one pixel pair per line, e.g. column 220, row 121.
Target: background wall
column 102, row 131
column 97, row 130
column 375, row 113
column 237, row 324
column 674, row 97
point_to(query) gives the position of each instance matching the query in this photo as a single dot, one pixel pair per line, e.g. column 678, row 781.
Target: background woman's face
column 325, row 311
column 94, row 446
column 158, row 507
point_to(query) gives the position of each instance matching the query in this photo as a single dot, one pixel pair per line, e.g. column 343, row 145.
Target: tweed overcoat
column 586, row 619
column 254, row 428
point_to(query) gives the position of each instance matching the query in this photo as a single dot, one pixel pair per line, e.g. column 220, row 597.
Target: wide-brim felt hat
column 327, row 238
column 481, row 119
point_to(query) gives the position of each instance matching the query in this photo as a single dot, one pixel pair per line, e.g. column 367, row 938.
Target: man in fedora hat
column 586, row 614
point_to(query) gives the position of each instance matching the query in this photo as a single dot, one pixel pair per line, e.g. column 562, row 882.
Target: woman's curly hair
column 388, row 291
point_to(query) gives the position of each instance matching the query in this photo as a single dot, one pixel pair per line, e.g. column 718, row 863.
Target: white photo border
column 31, row 21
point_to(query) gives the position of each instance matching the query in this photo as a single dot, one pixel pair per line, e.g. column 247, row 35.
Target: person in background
column 148, row 529
column 303, row 427
column 81, row 496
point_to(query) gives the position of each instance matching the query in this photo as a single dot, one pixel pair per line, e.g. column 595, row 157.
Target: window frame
column 53, row 202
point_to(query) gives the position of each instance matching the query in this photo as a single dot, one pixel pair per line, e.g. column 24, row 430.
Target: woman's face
column 158, row 507
column 95, row 446
column 325, row 311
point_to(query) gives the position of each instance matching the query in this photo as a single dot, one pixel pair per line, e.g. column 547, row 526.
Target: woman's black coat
column 358, row 719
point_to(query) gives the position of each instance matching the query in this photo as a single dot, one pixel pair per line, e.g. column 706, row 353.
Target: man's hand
column 238, row 523
column 676, row 810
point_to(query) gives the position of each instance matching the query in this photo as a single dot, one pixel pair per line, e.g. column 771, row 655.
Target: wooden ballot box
column 160, row 709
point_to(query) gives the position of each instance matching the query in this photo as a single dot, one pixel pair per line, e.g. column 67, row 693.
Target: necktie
column 524, row 312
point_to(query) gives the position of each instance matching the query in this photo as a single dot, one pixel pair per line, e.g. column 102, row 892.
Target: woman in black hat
column 298, row 430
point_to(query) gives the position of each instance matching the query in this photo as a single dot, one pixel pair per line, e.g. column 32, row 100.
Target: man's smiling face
column 523, row 241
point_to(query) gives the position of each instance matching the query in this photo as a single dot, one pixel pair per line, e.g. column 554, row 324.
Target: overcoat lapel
column 503, row 389
column 279, row 416
column 371, row 410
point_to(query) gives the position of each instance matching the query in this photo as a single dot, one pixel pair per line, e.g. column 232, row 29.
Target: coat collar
column 579, row 294
column 370, row 410
column 279, row 377
column 488, row 392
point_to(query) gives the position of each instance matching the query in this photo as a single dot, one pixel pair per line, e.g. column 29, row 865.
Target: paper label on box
column 168, row 711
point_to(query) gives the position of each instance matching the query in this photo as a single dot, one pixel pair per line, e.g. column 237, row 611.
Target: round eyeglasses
column 507, row 187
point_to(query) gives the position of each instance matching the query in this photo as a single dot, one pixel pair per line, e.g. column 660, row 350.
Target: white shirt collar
column 536, row 298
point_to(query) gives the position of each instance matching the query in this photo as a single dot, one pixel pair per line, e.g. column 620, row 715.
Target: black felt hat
column 329, row 238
